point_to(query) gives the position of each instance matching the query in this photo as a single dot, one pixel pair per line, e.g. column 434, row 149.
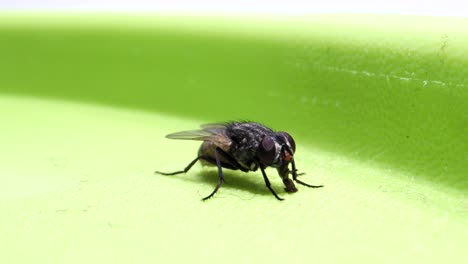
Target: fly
column 245, row 146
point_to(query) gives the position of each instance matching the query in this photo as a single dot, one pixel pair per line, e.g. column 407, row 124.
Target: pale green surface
column 81, row 189
column 377, row 104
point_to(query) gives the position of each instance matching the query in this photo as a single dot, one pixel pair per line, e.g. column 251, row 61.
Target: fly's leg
column 294, row 175
column 182, row 171
column 268, row 184
column 220, row 173
column 297, row 174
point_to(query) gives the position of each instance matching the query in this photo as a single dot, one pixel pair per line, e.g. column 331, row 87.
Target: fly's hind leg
column 181, row 171
column 217, row 153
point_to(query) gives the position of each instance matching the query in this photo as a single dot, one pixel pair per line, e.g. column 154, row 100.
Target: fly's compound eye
column 289, row 140
column 267, row 151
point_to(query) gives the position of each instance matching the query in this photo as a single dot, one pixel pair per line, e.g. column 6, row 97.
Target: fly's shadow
column 233, row 180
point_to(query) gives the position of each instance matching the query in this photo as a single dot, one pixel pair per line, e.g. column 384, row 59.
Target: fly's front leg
column 268, row 184
column 297, row 174
column 294, row 175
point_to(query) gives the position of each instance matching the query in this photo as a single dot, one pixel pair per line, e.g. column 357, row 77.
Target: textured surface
column 81, row 188
column 378, row 107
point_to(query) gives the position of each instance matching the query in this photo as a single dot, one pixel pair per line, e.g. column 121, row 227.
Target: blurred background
column 439, row 8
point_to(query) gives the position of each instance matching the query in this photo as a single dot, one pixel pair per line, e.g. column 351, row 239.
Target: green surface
column 378, row 106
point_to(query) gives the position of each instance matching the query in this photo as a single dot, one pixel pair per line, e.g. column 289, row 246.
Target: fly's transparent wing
column 191, row 135
column 209, row 132
column 215, row 134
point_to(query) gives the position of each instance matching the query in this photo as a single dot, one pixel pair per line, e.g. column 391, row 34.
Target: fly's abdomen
column 207, row 154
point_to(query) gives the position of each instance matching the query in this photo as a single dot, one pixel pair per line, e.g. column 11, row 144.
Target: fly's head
column 276, row 150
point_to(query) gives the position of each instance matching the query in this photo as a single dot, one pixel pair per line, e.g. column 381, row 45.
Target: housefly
column 245, row 146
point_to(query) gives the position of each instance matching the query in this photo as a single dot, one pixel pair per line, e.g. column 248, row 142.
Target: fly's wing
column 214, row 133
column 192, row 135
column 214, row 126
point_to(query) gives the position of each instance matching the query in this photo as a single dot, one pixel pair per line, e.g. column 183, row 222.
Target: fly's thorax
column 245, row 139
